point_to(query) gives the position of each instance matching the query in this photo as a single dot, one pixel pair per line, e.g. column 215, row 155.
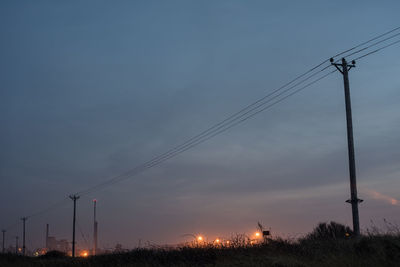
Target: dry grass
column 324, row 249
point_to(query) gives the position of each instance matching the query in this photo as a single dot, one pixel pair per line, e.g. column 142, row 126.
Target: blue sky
column 92, row 89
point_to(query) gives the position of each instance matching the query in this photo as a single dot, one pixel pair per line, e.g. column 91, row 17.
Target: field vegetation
column 329, row 244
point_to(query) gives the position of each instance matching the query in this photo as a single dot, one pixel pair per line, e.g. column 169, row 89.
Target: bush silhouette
column 54, row 254
column 329, row 231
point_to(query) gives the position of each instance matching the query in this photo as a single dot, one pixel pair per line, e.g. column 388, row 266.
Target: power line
column 218, row 132
column 233, row 119
column 372, row 45
column 52, row 207
column 234, row 116
column 366, row 42
column 10, row 226
column 38, row 213
column 198, row 137
column 201, row 139
column 82, row 234
column 377, row 50
column 230, row 119
column 215, row 127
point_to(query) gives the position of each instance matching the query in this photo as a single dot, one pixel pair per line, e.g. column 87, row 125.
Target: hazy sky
column 91, row 89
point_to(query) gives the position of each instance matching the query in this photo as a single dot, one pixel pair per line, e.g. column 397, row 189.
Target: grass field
column 322, row 247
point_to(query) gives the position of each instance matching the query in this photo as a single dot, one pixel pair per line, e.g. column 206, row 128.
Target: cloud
column 379, row 196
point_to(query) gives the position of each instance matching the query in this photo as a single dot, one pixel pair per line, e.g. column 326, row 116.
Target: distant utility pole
column 23, row 235
column 4, row 236
column 47, row 236
column 74, row 198
column 94, row 228
column 16, row 245
column 354, row 200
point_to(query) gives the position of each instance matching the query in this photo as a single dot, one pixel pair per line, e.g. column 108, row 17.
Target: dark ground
column 378, row 250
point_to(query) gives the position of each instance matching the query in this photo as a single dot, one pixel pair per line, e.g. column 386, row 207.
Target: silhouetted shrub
column 54, row 254
column 329, row 231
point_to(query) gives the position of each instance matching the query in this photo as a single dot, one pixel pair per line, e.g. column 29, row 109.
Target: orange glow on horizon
column 200, row 238
column 84, row 253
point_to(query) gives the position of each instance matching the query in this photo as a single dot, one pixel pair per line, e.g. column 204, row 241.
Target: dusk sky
column 91, row 89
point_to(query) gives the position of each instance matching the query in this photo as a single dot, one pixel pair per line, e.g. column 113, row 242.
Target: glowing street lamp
column 84, row 253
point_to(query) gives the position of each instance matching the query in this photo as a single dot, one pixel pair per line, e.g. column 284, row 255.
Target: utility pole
column 4, row 236
column 23, row 235
column 47, row 236
column 94, row 228
column 16, row 245
column 354, row 200
column 74, row 198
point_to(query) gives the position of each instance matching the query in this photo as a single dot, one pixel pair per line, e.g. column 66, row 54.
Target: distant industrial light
column 84, row 253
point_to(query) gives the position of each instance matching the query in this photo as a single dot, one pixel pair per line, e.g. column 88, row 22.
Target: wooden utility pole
column 74, row 198
column 23, row 235
column 354, row 200
column 47, row 236
column 4, row 236
column 94, row 228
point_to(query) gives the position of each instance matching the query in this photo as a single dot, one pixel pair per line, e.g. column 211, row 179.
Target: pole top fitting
column 74, row 197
